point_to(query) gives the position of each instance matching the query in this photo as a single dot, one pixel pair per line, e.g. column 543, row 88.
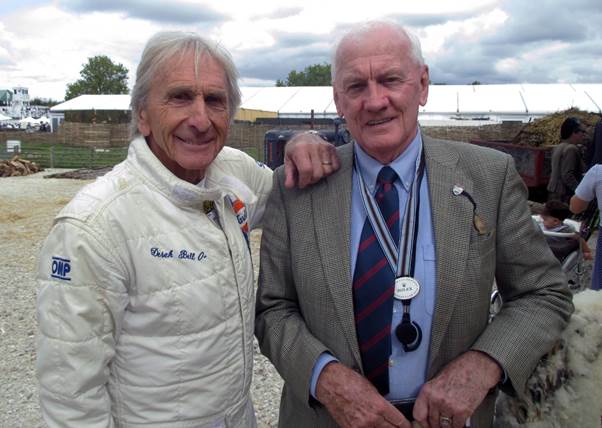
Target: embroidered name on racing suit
column 181, row 254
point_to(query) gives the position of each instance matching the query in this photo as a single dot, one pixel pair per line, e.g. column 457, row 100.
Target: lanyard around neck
column 402, row 256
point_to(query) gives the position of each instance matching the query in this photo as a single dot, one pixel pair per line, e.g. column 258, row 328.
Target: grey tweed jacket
column 304, row 300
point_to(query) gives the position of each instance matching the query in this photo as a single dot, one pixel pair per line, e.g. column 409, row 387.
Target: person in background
column 553, row 216
column 567, row 166
column 146, row 300
column 589, row 189
column 594, row 152
column 375, row 283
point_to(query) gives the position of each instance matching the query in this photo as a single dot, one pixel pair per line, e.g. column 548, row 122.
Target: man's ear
column 335, row 97
column 424, row 84
column 143, row 123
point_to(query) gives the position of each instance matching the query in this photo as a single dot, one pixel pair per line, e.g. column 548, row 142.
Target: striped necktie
column 373, row 285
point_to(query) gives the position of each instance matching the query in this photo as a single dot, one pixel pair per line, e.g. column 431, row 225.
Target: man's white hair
column 358, row 31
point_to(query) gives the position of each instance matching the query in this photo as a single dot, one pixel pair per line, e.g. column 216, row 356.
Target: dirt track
column 28, row 206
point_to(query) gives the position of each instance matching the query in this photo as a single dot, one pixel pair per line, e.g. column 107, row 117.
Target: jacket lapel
column 331, row 208
column 452, row 222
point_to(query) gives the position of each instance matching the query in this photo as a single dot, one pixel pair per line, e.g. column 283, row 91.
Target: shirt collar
column 404, row 164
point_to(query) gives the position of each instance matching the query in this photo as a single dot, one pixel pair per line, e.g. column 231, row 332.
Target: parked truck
column 275, row 139
column 532, row 163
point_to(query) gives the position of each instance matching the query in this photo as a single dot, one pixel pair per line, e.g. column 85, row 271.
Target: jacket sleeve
column 537, row 302
column 280, row 326
column 81, row 300
column 260, row 180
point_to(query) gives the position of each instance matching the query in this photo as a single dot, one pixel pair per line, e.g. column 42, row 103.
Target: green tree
column 99, row 76
column 48, row 102
column 312, row 75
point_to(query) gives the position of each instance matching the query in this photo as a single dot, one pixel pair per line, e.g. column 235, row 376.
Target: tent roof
column 483, row 100
column 95, row 102
column 291, row 99
column 443, row 100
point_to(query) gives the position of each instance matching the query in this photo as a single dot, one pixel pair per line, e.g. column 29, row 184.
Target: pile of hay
column 565, row 389
column 546, row 131
column 17, row 167
column 82, row 174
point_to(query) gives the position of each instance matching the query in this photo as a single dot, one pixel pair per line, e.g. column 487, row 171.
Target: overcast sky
column 44, row 43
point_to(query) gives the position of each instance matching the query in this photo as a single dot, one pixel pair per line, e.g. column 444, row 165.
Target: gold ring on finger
column 445, row 421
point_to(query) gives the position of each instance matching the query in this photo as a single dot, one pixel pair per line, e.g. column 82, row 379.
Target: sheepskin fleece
column 565, row 389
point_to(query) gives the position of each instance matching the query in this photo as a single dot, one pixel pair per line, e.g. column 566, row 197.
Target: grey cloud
column 281, row 13
column 529, row 28
column 420, row 20
column 451, row 72
column 153, row 10
column 299, row 40
column 461, row 66
column 535, row 30
column 428, row 19
column 292, row 51
column 548, row 20
column 277, row 63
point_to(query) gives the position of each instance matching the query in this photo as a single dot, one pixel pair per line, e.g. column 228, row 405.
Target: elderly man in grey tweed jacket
column 442, row 359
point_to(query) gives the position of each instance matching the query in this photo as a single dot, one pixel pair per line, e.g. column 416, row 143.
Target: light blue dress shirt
column 407, row 370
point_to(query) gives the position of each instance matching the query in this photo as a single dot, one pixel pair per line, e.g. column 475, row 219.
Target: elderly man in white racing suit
column 146, row 301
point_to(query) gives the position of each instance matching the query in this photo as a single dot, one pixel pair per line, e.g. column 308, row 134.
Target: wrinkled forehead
column 200, row 61
column 380, row 42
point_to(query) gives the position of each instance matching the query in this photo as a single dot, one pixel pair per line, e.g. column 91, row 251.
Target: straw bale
column 546, row 131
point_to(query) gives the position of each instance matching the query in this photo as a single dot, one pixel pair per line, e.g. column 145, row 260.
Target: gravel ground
column 28, row 206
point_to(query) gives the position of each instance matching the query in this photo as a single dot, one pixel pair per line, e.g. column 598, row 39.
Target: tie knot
column 387, row 175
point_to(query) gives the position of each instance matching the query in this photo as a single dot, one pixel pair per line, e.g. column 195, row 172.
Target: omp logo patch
column 61, row 268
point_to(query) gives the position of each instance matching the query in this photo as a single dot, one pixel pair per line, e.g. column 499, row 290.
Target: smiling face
column 185, row 119
column 378, row 88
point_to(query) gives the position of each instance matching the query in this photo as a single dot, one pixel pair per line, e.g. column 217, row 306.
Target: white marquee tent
column 447, row 104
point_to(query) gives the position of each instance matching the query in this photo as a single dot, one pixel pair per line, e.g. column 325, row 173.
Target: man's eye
column 392, row 80
column 180, row 97
column 215, row 100
column 354, row 87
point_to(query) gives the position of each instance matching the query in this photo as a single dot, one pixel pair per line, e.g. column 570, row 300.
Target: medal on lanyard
column 406, row 288
column 402, row 257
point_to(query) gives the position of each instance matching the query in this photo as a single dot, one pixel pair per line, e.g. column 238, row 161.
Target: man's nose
column 376, row 97
column 198, row 117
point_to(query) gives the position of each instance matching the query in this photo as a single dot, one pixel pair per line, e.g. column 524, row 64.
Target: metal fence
column 58, row 156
